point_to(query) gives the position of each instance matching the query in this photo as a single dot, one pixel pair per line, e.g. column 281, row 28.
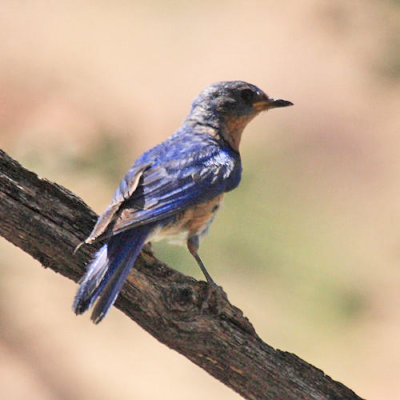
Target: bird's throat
column 233, row 128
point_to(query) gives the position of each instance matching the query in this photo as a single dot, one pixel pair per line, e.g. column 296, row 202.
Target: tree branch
column 48, row 221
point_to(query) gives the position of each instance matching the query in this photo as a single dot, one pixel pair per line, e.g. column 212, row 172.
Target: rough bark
column 48, row 221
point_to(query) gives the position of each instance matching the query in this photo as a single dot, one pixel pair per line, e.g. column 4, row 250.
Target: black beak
column 275, row 103
column 265, row 103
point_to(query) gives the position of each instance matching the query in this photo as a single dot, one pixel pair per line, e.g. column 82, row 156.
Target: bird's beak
column 275, row 103
column 267, row 103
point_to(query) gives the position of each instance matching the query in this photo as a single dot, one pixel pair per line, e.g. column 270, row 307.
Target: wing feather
column 166, row 180
column 166, row 190
column 126, row 188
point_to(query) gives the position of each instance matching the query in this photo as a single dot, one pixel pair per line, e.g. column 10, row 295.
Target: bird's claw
column 215, row 292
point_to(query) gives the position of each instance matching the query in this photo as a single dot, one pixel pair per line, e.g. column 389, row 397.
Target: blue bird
column 173, row 190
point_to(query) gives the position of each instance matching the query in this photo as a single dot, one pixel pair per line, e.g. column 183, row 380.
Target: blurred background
column 308, row 246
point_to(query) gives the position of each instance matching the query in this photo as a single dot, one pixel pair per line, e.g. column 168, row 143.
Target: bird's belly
column 194, row 221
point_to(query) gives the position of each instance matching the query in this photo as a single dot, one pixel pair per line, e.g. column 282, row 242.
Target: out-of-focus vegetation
column 307, row 246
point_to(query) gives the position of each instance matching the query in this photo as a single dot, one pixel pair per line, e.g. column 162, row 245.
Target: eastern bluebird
column 173, row 190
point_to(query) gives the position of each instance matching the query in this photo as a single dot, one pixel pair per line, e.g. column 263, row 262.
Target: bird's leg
column 212, row 287
column 193, row 247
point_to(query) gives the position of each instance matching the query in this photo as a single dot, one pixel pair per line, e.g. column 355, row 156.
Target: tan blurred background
column 308, row 246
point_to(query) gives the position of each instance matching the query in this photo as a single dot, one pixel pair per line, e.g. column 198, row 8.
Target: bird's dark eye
column 247, row 95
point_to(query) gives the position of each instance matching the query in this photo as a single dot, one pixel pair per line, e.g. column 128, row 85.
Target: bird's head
column 227, row 107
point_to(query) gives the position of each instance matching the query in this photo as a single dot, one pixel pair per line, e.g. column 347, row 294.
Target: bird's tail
column 107, row 272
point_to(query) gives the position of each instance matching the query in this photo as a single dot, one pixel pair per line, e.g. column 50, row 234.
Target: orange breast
column 193, row 221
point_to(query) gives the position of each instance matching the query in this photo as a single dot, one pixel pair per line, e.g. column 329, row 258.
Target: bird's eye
column 247, row 95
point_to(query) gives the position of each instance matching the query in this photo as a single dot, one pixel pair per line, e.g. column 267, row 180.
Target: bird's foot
column 214, row 298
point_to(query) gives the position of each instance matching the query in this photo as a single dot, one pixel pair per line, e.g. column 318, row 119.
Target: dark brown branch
column 47, row 221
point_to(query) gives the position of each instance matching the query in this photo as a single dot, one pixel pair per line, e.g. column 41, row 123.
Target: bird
column 172, row 191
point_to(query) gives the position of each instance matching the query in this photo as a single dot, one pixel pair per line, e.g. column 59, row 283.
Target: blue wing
column 183, row 171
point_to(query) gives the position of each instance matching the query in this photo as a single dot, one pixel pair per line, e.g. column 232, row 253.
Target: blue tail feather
column 91, row 282
column 108, row 271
